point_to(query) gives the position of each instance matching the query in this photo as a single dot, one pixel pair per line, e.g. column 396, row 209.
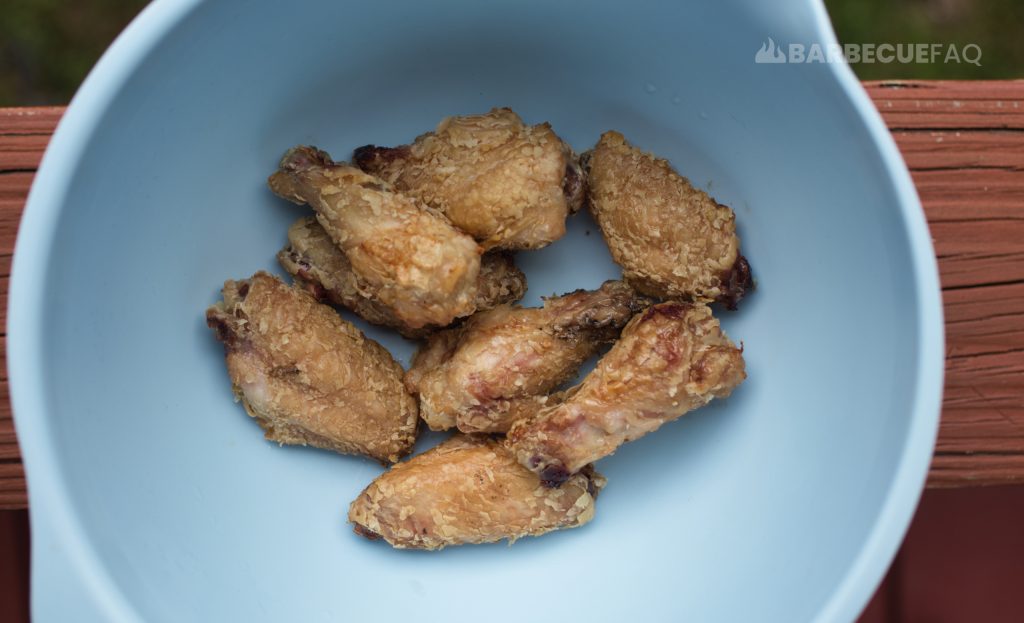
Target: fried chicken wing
column 469, row 489
column 501, row 365
column 307, row 376
column 672, row 240
column 509, row 185
column 313, row 259
column 670, row 359
column 405, row 255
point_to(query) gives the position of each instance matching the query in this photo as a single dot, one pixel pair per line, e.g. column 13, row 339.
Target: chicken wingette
column 673, row 241
column 501, row 365
column 468, row 489
column 508, row 184
column 307, row 376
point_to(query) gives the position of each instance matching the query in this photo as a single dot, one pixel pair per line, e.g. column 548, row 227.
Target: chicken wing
column 671, row 239
column 403, row 254
column 670, row 359
column 313, row 259
column 509, row 185
column 307, row 376
column 501, row 365
column 469, row 489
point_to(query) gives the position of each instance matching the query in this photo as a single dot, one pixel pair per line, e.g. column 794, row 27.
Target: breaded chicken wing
column 309, row 377
column 313, row 259
column 405, row 255
column 670, row 359
column 501, row 365
column 469, row 489
column 509, row 185
column 672, row 240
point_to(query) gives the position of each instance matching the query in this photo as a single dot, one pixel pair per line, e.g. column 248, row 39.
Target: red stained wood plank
column 35, row 120
column 12, row 486
column 943, row 104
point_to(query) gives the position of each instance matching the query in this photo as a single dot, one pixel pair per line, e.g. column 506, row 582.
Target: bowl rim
column 48, row 489
column 869, row 567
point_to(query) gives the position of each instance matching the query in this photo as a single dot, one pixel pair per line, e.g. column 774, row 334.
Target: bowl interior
column 751, row 509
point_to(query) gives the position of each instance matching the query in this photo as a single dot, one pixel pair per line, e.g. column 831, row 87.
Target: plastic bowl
column 155, row 498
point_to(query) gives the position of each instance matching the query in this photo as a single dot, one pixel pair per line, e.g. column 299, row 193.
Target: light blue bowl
column 153, row 496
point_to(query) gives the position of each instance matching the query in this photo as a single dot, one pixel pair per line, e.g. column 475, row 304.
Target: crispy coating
column 500, row 282
column 670, row 359
column 500, row 366
column 308, row 376
column 468, row 489
column 672, row 240
column 313, row 259
column 403, row 254
column 509, row 185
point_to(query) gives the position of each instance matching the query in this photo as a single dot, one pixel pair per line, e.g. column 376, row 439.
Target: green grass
column 48, row 46
column 997, row 26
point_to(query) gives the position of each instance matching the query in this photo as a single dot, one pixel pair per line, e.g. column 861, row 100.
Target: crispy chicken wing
column 469, row 489
column 501, row 365
column 670, row 359
column 509, row 185
column 671, row 239
column 313, row 259
column 309, row 377
column 405, row 255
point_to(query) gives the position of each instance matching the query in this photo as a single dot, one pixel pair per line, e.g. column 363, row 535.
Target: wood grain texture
column 964, row 145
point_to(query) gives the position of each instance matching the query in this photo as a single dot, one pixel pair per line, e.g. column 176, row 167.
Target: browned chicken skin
column 403, row 254
column 501, row 365
column 308, row 376
column 313, row 259
column 469, row 489
column 672, row 240
column 670, row 359
column 509, row 185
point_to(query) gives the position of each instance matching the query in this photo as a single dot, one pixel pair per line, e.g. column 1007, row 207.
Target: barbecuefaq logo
column 771, row 52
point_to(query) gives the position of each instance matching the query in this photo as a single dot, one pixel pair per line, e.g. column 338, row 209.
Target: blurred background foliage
column 47, row 46
column 997, row 26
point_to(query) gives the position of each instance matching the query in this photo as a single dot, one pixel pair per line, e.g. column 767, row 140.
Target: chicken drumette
column 315, row 261
column 670, row 359
column 403, row 254
column 671, row 239
column 501, row 365
column 469, row 489
column 309, row 377
column 509, row 185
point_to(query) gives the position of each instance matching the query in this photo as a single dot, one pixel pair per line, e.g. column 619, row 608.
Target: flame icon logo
column 769, row 53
